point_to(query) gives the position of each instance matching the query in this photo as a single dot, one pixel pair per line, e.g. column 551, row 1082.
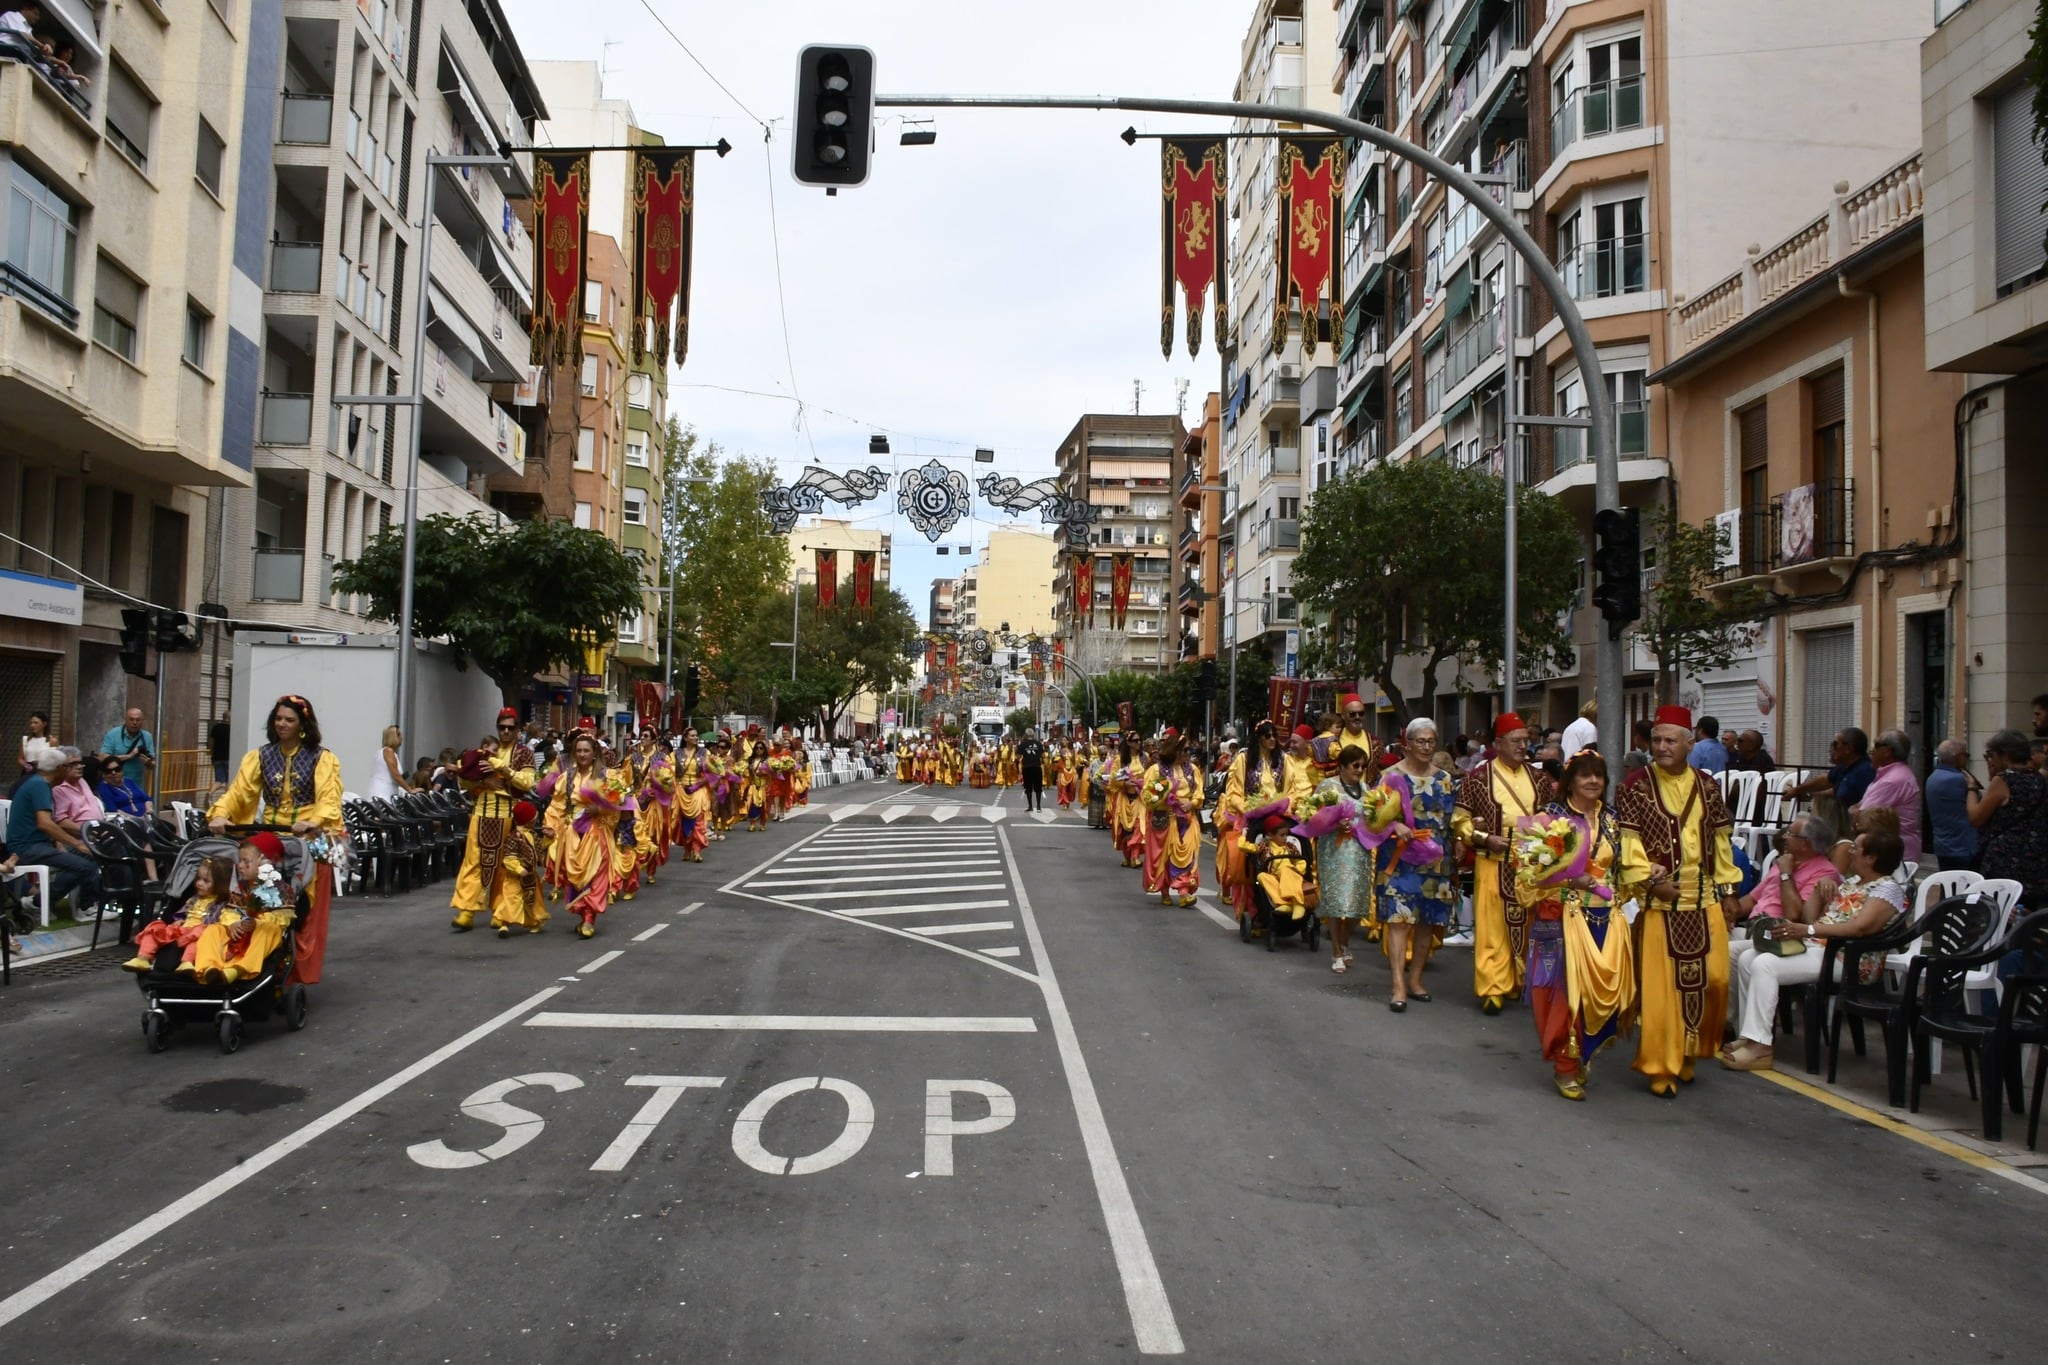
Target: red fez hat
column 1304, row 732
column 1508, row 724
column 1349, row 699
column 507, row 713
column 1275, row 823
column 523, row 812
column 1675, row 715
column 267, row 844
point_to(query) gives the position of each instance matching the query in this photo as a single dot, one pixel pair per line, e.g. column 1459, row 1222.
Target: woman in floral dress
column 1416, row 901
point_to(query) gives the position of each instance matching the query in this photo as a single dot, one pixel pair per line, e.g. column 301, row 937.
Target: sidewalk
column 47, row 944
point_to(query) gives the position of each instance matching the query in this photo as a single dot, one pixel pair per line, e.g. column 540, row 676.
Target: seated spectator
column 1842, row 784
column 422, row 774
column 1750, row 756
column 1870, row 820
column 8, row 862
column 118, row 792
column 1948, row 807
column 1865, row 904
column 76, row 803
column 1896, row 789
column 1803, row 878
column 1708, row 754
column 35, row 836
column 2011, row 817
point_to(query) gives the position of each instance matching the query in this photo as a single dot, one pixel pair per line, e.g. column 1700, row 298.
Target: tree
column 1126, row 684
column 1687, row 629
column 723, row 556
column 1407, row 560
column 515, row 601
column 841, row 654
column 1020, row 720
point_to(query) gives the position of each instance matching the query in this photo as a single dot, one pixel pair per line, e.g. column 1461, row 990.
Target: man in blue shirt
column 1850, row 775
column 133, row 745
column 34, row 836
column 1708, row 754
column 1948, row 808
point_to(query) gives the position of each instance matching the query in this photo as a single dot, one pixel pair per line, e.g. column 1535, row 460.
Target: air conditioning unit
column 1290, row 371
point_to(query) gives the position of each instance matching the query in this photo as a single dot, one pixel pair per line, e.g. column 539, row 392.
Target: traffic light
column 1205, row 683
column 835, row 116
column 690, row 680
column 173, row 632
column 1618, row 567
column 135, row 641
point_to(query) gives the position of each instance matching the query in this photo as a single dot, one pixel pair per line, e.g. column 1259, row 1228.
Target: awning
column 1374, row 273
column 1461, row 39
column 1434, row 339
column 461, row 94
column 1355, row 404
column 1460, row 408
column 1459, row 292
column 490, row 367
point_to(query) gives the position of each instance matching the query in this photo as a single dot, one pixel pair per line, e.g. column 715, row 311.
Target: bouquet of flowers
column 612, row 792
column 1550, row 852
column 1366, row 819
column 336, row 853
column 1156, row 793
column 782, row 765
column 269, row 889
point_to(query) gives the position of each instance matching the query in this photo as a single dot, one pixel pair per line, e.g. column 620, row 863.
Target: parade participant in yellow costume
column 800, row 776
column 583, row 819
column 292, row 781
column 754, row 767
column 654, row 827
column 956, row 764
column 722, row 766
column 1258, row 777
column 632, row 850
column 1172, row 796
column 518, row 903
column 233, row 948
column 1492, row 797
column 781, row 775
column 494, row 783
column 1009, row 766
column 904, row 755
column 1123, row 778
column 1066, row 775
column 1678, row 861
column 693, row 797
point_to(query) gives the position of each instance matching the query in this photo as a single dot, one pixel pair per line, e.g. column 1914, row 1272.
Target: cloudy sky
column 985, row 291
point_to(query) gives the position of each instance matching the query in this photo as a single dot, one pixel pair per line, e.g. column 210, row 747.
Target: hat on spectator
column 1304, row 732
column 267, row 844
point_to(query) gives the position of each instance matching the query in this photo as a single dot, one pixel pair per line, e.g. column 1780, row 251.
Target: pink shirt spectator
column 1896, row 789
column 74, row 801
column 1805, row 877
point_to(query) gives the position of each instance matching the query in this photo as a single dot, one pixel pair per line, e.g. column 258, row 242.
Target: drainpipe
column 1871, row 681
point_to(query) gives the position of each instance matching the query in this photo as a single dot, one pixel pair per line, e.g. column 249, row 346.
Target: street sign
column 1293, row 652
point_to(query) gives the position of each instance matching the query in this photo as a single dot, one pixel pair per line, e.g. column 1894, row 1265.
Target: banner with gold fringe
column 1084, row 588
column 1311, row 188
column 1193, row 182
column 561, row 231
column 828, row 579
column 664, row 194
column 864, row 581
column 1120, row 569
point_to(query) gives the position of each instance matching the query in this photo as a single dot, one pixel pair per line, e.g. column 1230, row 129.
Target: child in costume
column 230, row 951
column 213, row 887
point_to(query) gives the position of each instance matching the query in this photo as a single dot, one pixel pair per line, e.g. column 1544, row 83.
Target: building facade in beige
column 1199, row 598
column 1987, row 320
column 1009, row 587
column 127, row 366
column 833, row 533
column 1127, row 466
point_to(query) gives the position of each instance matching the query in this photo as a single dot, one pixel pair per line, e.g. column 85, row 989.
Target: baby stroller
column 175, row 998
column 1282, row 873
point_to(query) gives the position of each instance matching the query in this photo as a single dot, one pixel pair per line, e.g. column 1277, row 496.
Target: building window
column 116, row 309
column 582, row 517
column 593, row 300
column 1830, row 458
column 636, row 450
column 1598, row 92
column 198, row 334
column 1404, row 405
column 590, row 376
column 629, row 628
column 1602, row 250
column 1753, row 440
column 636, row 507
column 131, row 113
column 2020, row 189
column 640, row 391
column 212, row 153
column 42, row 242
column 586, row 448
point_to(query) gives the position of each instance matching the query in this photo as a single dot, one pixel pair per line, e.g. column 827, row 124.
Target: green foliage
column 517, row 602
column 1408, row 560
column 1020, row 720
column 1685, row 628
column 722, row 556
column 840, row 655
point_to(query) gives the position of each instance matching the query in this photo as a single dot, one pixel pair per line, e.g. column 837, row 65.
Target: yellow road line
column 1931, row 1141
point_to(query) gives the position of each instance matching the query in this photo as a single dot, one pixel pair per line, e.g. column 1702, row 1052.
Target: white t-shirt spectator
column 1577, row 736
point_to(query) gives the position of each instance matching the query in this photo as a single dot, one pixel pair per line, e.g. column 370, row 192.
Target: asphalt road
column 917, row 1084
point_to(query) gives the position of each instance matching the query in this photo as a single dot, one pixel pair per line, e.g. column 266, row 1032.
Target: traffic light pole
column 1608, row 654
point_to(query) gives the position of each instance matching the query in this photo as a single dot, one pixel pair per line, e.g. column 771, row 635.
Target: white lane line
column 788, row 1023
column 650, row 932
column 803, row 879
column 891, row 814
column 881, row 842
column 600, row 960
column 876, row 860
column 946, row 930
column 875, row 891
column 692, row 908
column 119, row 1245
column 1151, row 1314
column 1202, row 904
column 869, row 835
column 874, row 911
column 1002, row 952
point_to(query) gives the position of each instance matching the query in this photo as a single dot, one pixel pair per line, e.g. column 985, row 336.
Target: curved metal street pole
column 1606, row 471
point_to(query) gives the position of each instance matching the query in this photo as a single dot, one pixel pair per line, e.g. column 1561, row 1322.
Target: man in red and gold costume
column 1492, row 797
column 1679, row 862
column 496, row 782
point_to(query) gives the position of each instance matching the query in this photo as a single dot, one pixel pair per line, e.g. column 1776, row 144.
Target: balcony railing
column 1513, row 163
column 287, row 419
column 1472, row 347
column 1279, row 533
column 295, row 267
column 1493, row 50
column 1371, row 52
column 1597, row 109
column 1604, row 269
column 1280, row 462
column 1280, row 611
column 1815, row 522
column 306, row 120
column 278, row 575
column 1631, row 440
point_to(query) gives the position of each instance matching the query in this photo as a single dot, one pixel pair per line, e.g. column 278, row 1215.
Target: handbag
column 1770, row 941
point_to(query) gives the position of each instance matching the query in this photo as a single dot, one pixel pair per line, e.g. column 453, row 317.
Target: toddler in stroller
column 1282, row 884
column 212, row 900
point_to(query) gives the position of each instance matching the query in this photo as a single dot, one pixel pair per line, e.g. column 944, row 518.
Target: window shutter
column 1827, row 398
column 2019, row 186
column 1830, row 690
column 1755, row 435
column 128, row 107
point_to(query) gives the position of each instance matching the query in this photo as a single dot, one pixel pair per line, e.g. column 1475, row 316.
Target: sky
column 984, row 291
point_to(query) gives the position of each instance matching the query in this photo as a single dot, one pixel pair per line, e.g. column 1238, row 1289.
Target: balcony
column 501, row 344
column 1607, row 269
column 1632, row 436
column 1596, row 110
column 295, row 267
column 1365, row 237
column 1279, row 533
column 1278, row 611
column 1513, row 165
column 1493, row 51
column 286, row 419
column 1816, row 523
column 1473, row 346
column 278, row 575
column 1280, row 462
column 306, row 120
column 1371, row 60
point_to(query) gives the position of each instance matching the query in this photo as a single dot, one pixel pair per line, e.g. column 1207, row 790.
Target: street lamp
column 796, row 608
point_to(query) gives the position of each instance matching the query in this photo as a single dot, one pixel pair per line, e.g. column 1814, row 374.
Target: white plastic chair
column 2005, row 894
column 40, row 874
column 1775, row 784
column 1933, row 890
column 1743, row 790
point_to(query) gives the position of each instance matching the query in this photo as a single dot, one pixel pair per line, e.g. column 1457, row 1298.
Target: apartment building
column 1009, row 586
column 1287, row 55
column 1645, row 144
column 1126, row 465
column 1199, row 598
column 939, row 611
column 1987, row 321
column 1807, row 427
column 130, row 226
column 366, row 92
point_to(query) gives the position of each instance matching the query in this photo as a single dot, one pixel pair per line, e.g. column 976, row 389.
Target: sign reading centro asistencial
column 41, row 599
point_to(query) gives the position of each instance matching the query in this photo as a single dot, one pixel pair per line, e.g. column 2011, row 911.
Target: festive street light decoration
column 1007, row 494
column 934, row 497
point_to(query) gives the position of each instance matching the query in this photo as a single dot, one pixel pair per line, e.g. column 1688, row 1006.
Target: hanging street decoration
column 1083, row 573
column 1120, row 569
column 1193, row 182
column 664, row 195
column 850, row 489
column 1311, row 186
column 934, row 497
column 1006, row 494
column 828, row 579
column 1074, row 517
column 785, row 505
column 864, row 581
column 561, row 229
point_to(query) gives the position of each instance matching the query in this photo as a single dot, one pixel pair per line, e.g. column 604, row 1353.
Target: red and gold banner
column 1127, row 717
column 1120, row 569
column 828, row 579
column 561, row 229
column 953, row 660
column 863, row 581
column 1084, row 589
column 1193, row 182
column 664, row 194
column 1311, row 186
column 1059, row 659
column 931, row 659
column 1284, row 704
